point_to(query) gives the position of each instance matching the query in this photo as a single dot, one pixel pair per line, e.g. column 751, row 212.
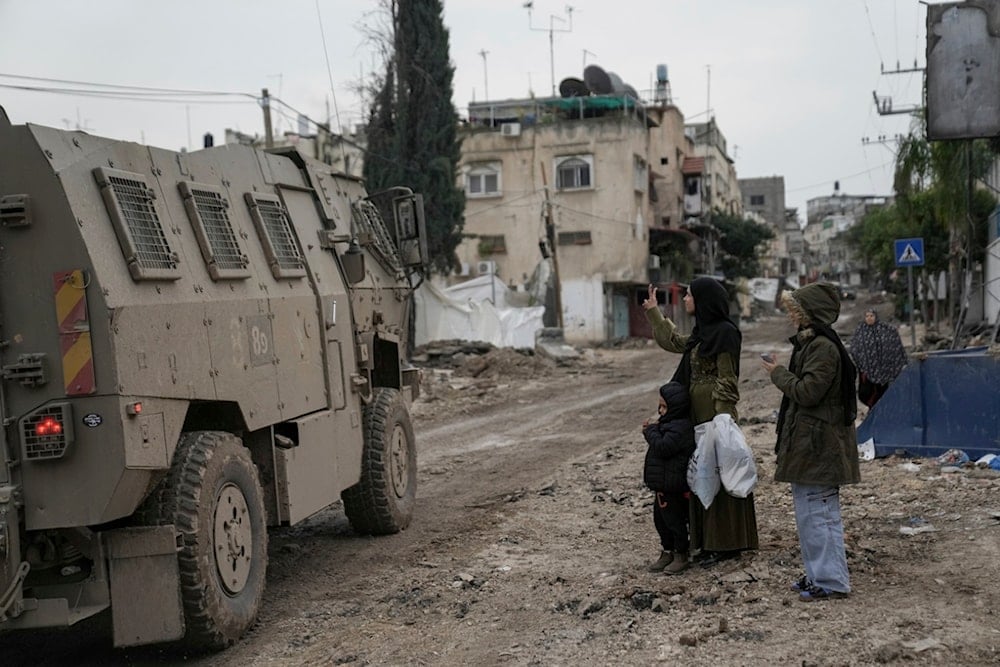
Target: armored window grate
column 50, row 446
column 208, row 210
column 368, row 222
column 275, row 231
column 130, row 204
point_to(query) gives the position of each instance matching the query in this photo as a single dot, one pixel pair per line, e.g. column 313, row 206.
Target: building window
column 756, row 200
column 492, row 245
column 574, row 172
column 640, row 175
column 483, row 180
column 574, row 238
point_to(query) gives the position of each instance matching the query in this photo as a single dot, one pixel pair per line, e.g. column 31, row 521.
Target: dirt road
column 533, row 528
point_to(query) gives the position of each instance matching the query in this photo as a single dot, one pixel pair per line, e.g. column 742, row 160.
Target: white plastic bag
column 866, row 450
column 737, row 469
column 703, row 472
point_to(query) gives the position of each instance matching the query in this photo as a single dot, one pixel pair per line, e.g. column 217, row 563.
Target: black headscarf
column 713, row 331
column 877, row 350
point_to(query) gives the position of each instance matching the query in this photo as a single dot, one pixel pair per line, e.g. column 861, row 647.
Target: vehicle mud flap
column 146, row 602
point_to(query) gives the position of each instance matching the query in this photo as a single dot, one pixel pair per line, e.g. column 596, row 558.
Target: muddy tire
column 382, row 502
column 212, row 496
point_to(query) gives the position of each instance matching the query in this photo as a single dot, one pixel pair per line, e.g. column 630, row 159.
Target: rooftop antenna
column 551, row 30
column 708, row 101
column 486, row 78
column 585, row 54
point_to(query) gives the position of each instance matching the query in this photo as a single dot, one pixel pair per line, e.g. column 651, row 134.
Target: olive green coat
column 714, row 386
column 815, row 446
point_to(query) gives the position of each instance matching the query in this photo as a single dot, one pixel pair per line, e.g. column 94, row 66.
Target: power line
column 871, row 27
column 842, row 178
column 93, row 84
column 122, row 95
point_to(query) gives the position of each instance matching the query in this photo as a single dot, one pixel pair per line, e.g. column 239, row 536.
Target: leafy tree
column 412, row 126
column 933, row 201
column 740, row 244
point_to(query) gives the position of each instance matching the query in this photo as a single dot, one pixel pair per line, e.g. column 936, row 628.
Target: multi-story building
column 828, row 256
column 710, row 185
column 721, row 187
column 765, row 196
column 606, row 177
column 575, row 171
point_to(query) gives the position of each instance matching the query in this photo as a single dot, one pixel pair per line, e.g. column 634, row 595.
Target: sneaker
column 664, row 560
column 678, row 564
column 801, row 584
column 814, row 593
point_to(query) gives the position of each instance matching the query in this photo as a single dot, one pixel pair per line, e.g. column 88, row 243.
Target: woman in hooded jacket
column 710, row 369
column 817, row 444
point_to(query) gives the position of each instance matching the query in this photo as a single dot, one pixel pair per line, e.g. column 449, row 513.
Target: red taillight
column 48, row 426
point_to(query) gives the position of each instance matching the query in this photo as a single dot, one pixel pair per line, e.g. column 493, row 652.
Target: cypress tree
column 413, row 125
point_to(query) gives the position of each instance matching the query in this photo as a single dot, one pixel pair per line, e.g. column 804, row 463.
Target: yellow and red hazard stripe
column 74, row 332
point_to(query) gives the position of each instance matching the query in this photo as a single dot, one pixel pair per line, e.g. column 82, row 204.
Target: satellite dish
column 597, row 80
column 617, row 85
column 631, row 92
column 571, row 87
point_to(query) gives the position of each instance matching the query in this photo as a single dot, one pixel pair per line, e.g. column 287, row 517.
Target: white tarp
column 465, row 312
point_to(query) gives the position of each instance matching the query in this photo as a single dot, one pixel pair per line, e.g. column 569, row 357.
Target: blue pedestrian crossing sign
column 909, row 252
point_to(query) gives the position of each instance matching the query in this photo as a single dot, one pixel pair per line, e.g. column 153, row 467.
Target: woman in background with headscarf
column 710, row 369
column 878, row 352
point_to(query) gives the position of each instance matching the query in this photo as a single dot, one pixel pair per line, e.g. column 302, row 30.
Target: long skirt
column 729, row 524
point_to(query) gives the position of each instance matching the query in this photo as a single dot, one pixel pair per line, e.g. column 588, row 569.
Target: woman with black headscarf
column 710, row 369
column 879, row 355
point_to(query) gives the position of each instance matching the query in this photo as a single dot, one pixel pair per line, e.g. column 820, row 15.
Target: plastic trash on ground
column 866, row 450
column 953, row 457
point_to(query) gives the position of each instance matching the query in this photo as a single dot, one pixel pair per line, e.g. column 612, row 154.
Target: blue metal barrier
column 943, row 400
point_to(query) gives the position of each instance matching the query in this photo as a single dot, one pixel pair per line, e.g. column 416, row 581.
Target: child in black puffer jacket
column 671, row 444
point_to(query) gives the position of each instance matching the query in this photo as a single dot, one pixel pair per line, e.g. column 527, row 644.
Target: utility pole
column 551, row 30
column 883, row 103
column 486, row 77
column 265, row 104
column 550, row 234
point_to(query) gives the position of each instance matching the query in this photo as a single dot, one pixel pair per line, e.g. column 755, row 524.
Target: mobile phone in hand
column 768, row 358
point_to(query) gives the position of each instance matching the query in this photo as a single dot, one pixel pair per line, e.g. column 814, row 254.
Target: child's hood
column 675, row 395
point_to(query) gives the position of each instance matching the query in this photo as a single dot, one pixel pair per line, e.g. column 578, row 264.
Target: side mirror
column 411, row 234
column 353, row 262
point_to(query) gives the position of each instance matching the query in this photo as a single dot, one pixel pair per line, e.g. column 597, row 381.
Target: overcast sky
column 790, row 82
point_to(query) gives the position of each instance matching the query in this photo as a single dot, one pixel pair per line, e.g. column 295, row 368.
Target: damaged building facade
column 579, row 185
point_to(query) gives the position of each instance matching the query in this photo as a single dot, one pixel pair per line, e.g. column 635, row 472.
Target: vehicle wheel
column 212, row 496
column 382, row 502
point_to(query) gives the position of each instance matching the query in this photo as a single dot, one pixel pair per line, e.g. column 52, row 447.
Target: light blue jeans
column 821, row 535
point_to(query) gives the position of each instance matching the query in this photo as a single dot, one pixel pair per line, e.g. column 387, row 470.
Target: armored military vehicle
column 193, row 347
